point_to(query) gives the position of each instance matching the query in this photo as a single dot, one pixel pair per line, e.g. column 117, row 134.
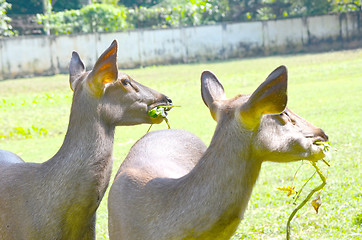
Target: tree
column 91, row 18
column 25, row 6
column 311, row 7
column 139, row 3
column 61, row 5
column 37, row 6
column 5, row 27
column 348, row 5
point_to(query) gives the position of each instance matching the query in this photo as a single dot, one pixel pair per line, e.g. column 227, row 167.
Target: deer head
column 120, row 99
column 277, row 134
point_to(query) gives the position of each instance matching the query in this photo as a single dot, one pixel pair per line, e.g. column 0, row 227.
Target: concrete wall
column 46, row 55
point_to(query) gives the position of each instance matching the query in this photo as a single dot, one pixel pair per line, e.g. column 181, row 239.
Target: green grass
column 326, row 89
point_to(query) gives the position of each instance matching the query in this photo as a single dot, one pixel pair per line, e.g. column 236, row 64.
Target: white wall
column 46, row 55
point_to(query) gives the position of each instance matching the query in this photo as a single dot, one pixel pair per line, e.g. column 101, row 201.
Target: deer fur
column 170, row 187
column 58, row 199
column 8, row 158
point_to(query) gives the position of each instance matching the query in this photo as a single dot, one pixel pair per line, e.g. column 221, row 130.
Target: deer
column 171, row 186
column 9, row 158
column 58, row 199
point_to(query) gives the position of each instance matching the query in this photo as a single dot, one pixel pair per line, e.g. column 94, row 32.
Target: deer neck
column 223, row 179
column 87, row 141
column 85, row 157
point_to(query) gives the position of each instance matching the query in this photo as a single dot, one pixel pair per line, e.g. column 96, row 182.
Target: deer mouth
column 164, row 106
column 320, row 148
column 319, row 141
column 166, row 101
column 159, row 112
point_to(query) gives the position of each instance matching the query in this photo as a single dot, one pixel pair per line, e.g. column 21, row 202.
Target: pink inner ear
column 97, row 80
column 106, row 73
column 269, row 98
column 105, row 70
column 112, row 51
column 108, row 78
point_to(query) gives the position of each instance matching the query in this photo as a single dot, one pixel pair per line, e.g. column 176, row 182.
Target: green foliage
column 91, row 18
column 110, row 18
column 36, row 6
column 162, row 17
column 5, row 27
column 61, row 5
column 107, row 16
column 347, row 5
column 110, row 2
column 139, row 3
column 26, row 6
column 20, row 132
column 358, row 219
column 103, row 18
column 276, row 9
column 197, row 13
column 147, row 17
column 312, row 7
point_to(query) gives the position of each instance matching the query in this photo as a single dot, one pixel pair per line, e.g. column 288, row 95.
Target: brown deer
column 58, row 199
column 170, row 187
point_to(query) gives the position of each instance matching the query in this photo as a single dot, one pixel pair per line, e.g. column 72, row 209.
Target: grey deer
column 58, row 199
column 171, row 187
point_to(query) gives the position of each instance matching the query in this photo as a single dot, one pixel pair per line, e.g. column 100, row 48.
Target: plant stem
column 166, row 120
column 316, row 189
column 301, row 189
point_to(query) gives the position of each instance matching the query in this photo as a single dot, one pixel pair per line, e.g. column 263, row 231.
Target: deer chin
column 307, row 150
column 316, row 153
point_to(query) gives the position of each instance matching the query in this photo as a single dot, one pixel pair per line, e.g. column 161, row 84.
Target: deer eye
column 125, row 82
column 282, row 118
column 290, row 119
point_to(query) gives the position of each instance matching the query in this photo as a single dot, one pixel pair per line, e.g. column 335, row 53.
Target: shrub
column 358, row 219
column 91, row 18
column 170, row 13
column 187, row 13
column 111, row 18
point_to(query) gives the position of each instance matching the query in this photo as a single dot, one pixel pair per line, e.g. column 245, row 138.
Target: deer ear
column 269, row 98
column 76, row 68
column 211, row 91
column 104, row 71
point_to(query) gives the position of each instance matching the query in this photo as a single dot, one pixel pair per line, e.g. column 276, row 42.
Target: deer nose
column 168, row 100
column 320, row 133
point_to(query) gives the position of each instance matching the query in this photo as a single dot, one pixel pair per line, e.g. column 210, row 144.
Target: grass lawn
column 325, row 89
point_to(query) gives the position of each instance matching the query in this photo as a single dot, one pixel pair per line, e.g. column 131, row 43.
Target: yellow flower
column 289, row 189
